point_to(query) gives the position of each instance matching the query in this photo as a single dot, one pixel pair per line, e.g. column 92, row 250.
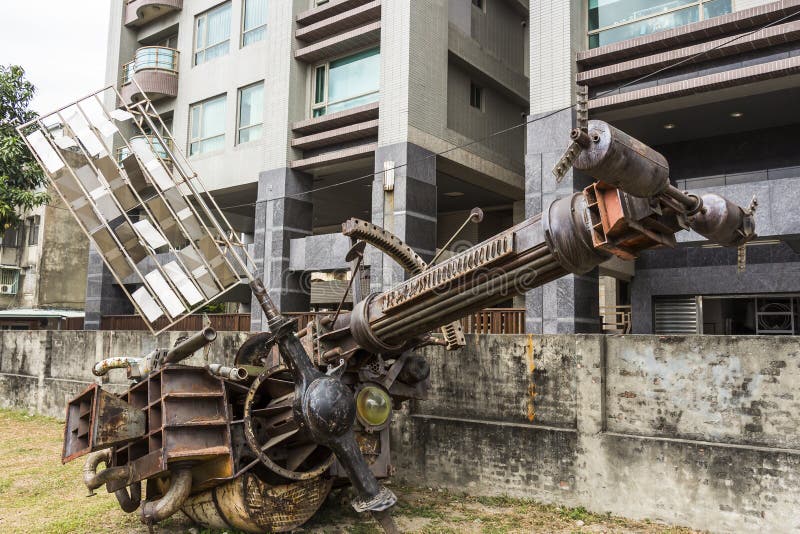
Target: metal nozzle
column 191, row 345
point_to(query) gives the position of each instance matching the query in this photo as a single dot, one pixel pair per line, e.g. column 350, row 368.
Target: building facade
column 726, row 119
column 291, row 111
column 42, row 271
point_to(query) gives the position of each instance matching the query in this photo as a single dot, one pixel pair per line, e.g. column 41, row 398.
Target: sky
column 60, row 44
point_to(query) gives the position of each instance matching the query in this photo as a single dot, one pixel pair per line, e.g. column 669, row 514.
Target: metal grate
column 140, row 208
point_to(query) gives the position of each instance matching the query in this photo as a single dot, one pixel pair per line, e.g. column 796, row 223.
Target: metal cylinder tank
column 249, row 504
column 623, row 161
column 722, row 221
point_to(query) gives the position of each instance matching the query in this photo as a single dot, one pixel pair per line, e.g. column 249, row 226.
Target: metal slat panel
column 676, row 315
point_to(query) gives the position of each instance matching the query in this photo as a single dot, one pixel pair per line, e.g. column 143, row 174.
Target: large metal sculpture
column 257, row 445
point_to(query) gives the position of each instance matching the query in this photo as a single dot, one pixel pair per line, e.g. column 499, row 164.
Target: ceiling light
column 736, row 114
column 669, row 126
column 454, row 194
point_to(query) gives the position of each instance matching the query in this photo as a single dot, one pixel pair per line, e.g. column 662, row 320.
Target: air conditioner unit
column 7, row 289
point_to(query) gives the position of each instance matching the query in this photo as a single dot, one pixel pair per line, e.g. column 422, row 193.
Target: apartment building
column 727, row 119
column 291, row 110
column 287, row 109
column 42, row 271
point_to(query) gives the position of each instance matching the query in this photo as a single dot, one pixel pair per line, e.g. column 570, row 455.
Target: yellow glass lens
column 373, row 405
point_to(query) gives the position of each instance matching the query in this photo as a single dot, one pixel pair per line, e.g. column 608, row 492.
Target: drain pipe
column 121, row 362
column 129, row 502
column 173, row 499
column 93, row 479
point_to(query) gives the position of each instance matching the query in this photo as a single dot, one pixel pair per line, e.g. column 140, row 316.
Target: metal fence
column 489, row 321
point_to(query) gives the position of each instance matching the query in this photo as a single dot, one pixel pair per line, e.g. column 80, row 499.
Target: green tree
column 21, row 178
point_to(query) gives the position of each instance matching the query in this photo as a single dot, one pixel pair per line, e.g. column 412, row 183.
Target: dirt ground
column 39, row 495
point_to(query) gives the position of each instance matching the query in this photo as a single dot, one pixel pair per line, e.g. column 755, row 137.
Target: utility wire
column 536, row 118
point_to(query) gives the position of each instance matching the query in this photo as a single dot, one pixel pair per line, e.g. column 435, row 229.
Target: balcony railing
column 160, row 151
column 151, row 58
column 616, row 319
column 224, row 322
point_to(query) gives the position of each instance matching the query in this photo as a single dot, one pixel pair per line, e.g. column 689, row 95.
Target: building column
column 570, row 304
column 103, row 295
column 283, row 213
column 557, row 30
column 408, row 210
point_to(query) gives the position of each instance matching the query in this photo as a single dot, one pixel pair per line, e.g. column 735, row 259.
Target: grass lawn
column 39, row 495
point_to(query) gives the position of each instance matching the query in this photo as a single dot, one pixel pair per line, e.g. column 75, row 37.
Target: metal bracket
column 582, row 115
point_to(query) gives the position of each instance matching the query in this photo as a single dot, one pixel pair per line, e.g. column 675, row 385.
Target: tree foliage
column 21, row 178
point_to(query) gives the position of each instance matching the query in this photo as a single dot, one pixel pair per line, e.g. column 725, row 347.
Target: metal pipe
column 93, row 480
column 476, row 216
column 191, row 345
column 173, row 499
column 692, row 203
column 121, row 362
column 129, row 502
column 231, row 373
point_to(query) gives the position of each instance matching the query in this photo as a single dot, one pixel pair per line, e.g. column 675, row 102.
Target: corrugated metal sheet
column 677, row 315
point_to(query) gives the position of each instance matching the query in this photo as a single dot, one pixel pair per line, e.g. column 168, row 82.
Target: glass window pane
column 199, row 36
column 354, row 102
column 213, row 117
column 716, row 8
column 603, row 13
column 195, row 119
column 648, row 26
column 319, row 90
column 355, row 75
column 251, row 105
column 207, row 126
column 219, row 24
column 255, row 14
column 253, row 36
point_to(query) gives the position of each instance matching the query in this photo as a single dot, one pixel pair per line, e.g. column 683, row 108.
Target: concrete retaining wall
column 701, row 431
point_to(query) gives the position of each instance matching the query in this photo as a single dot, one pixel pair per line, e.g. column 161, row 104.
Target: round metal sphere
column 329, row 407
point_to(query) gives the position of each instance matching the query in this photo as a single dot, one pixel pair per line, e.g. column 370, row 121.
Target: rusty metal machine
column 257, row 444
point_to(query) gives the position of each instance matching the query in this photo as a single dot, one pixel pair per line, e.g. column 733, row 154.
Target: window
column 478, row 3
column 11, row 237
column 212, row 33
column 9, row 281
column 617, row 20
column 33, row 230
column 207, row 126
column 251, row 113
column 476, row 96
column 347, row 82
column 254, row 21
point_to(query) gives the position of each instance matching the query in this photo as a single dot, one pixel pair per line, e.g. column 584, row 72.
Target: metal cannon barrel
column 190, row 345
column 539, row 250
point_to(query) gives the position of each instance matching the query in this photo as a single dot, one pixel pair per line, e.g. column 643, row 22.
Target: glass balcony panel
column 604, row 13
column 646, row 27
column 715, row 8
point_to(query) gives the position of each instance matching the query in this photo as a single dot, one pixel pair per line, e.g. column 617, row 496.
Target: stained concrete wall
column 702, row 431
column 698, row 431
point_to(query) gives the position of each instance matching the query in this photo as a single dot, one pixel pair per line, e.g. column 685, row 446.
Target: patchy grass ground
column 39, row 495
